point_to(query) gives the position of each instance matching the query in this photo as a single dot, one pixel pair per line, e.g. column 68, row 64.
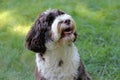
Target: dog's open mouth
column 67, row 32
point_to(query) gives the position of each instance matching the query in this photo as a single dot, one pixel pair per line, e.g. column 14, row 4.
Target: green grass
column 98, row 26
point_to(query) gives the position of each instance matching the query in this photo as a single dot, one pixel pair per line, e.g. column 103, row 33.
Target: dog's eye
column 50, row 19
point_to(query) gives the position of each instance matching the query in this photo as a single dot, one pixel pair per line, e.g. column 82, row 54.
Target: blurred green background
column 98, row 27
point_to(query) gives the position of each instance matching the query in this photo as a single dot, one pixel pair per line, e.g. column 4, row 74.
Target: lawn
column 98, row 27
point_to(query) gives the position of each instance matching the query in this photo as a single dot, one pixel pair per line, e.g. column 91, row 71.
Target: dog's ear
column 75, row 34
column 35, row 39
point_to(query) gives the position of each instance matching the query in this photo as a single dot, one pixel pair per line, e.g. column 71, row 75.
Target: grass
column 98, row 26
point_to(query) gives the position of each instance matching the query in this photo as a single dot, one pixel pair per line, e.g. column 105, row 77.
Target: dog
column 52, row 38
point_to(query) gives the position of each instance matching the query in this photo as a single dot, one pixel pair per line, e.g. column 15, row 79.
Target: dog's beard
column 63, row 29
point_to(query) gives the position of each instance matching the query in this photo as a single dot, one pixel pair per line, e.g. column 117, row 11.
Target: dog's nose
column 67, row 21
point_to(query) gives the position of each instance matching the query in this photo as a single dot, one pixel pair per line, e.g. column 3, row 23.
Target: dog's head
column 52, row 26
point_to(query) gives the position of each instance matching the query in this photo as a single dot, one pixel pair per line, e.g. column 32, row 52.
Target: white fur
column 50, row 69
column 55, row 34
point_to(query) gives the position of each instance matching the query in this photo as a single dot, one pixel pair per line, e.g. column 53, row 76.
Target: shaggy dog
column 57, row 58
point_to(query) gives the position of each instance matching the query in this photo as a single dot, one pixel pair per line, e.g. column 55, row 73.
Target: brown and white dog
column 57, row 58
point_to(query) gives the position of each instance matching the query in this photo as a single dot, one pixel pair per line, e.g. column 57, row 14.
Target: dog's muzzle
column 63, row 28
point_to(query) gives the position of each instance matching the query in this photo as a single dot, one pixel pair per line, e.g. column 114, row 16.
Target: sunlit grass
column 84, row 11
column 22, row 30
column 6, row 17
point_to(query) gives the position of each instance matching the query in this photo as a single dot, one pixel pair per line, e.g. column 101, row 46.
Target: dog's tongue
column 68, row 33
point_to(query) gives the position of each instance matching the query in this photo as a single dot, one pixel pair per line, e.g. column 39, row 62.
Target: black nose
column 67, row 21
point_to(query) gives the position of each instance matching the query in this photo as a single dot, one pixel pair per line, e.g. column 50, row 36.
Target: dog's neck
column 63, row 60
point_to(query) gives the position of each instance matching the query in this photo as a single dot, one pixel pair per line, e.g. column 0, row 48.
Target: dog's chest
column 59, row 67
column 58, row 73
